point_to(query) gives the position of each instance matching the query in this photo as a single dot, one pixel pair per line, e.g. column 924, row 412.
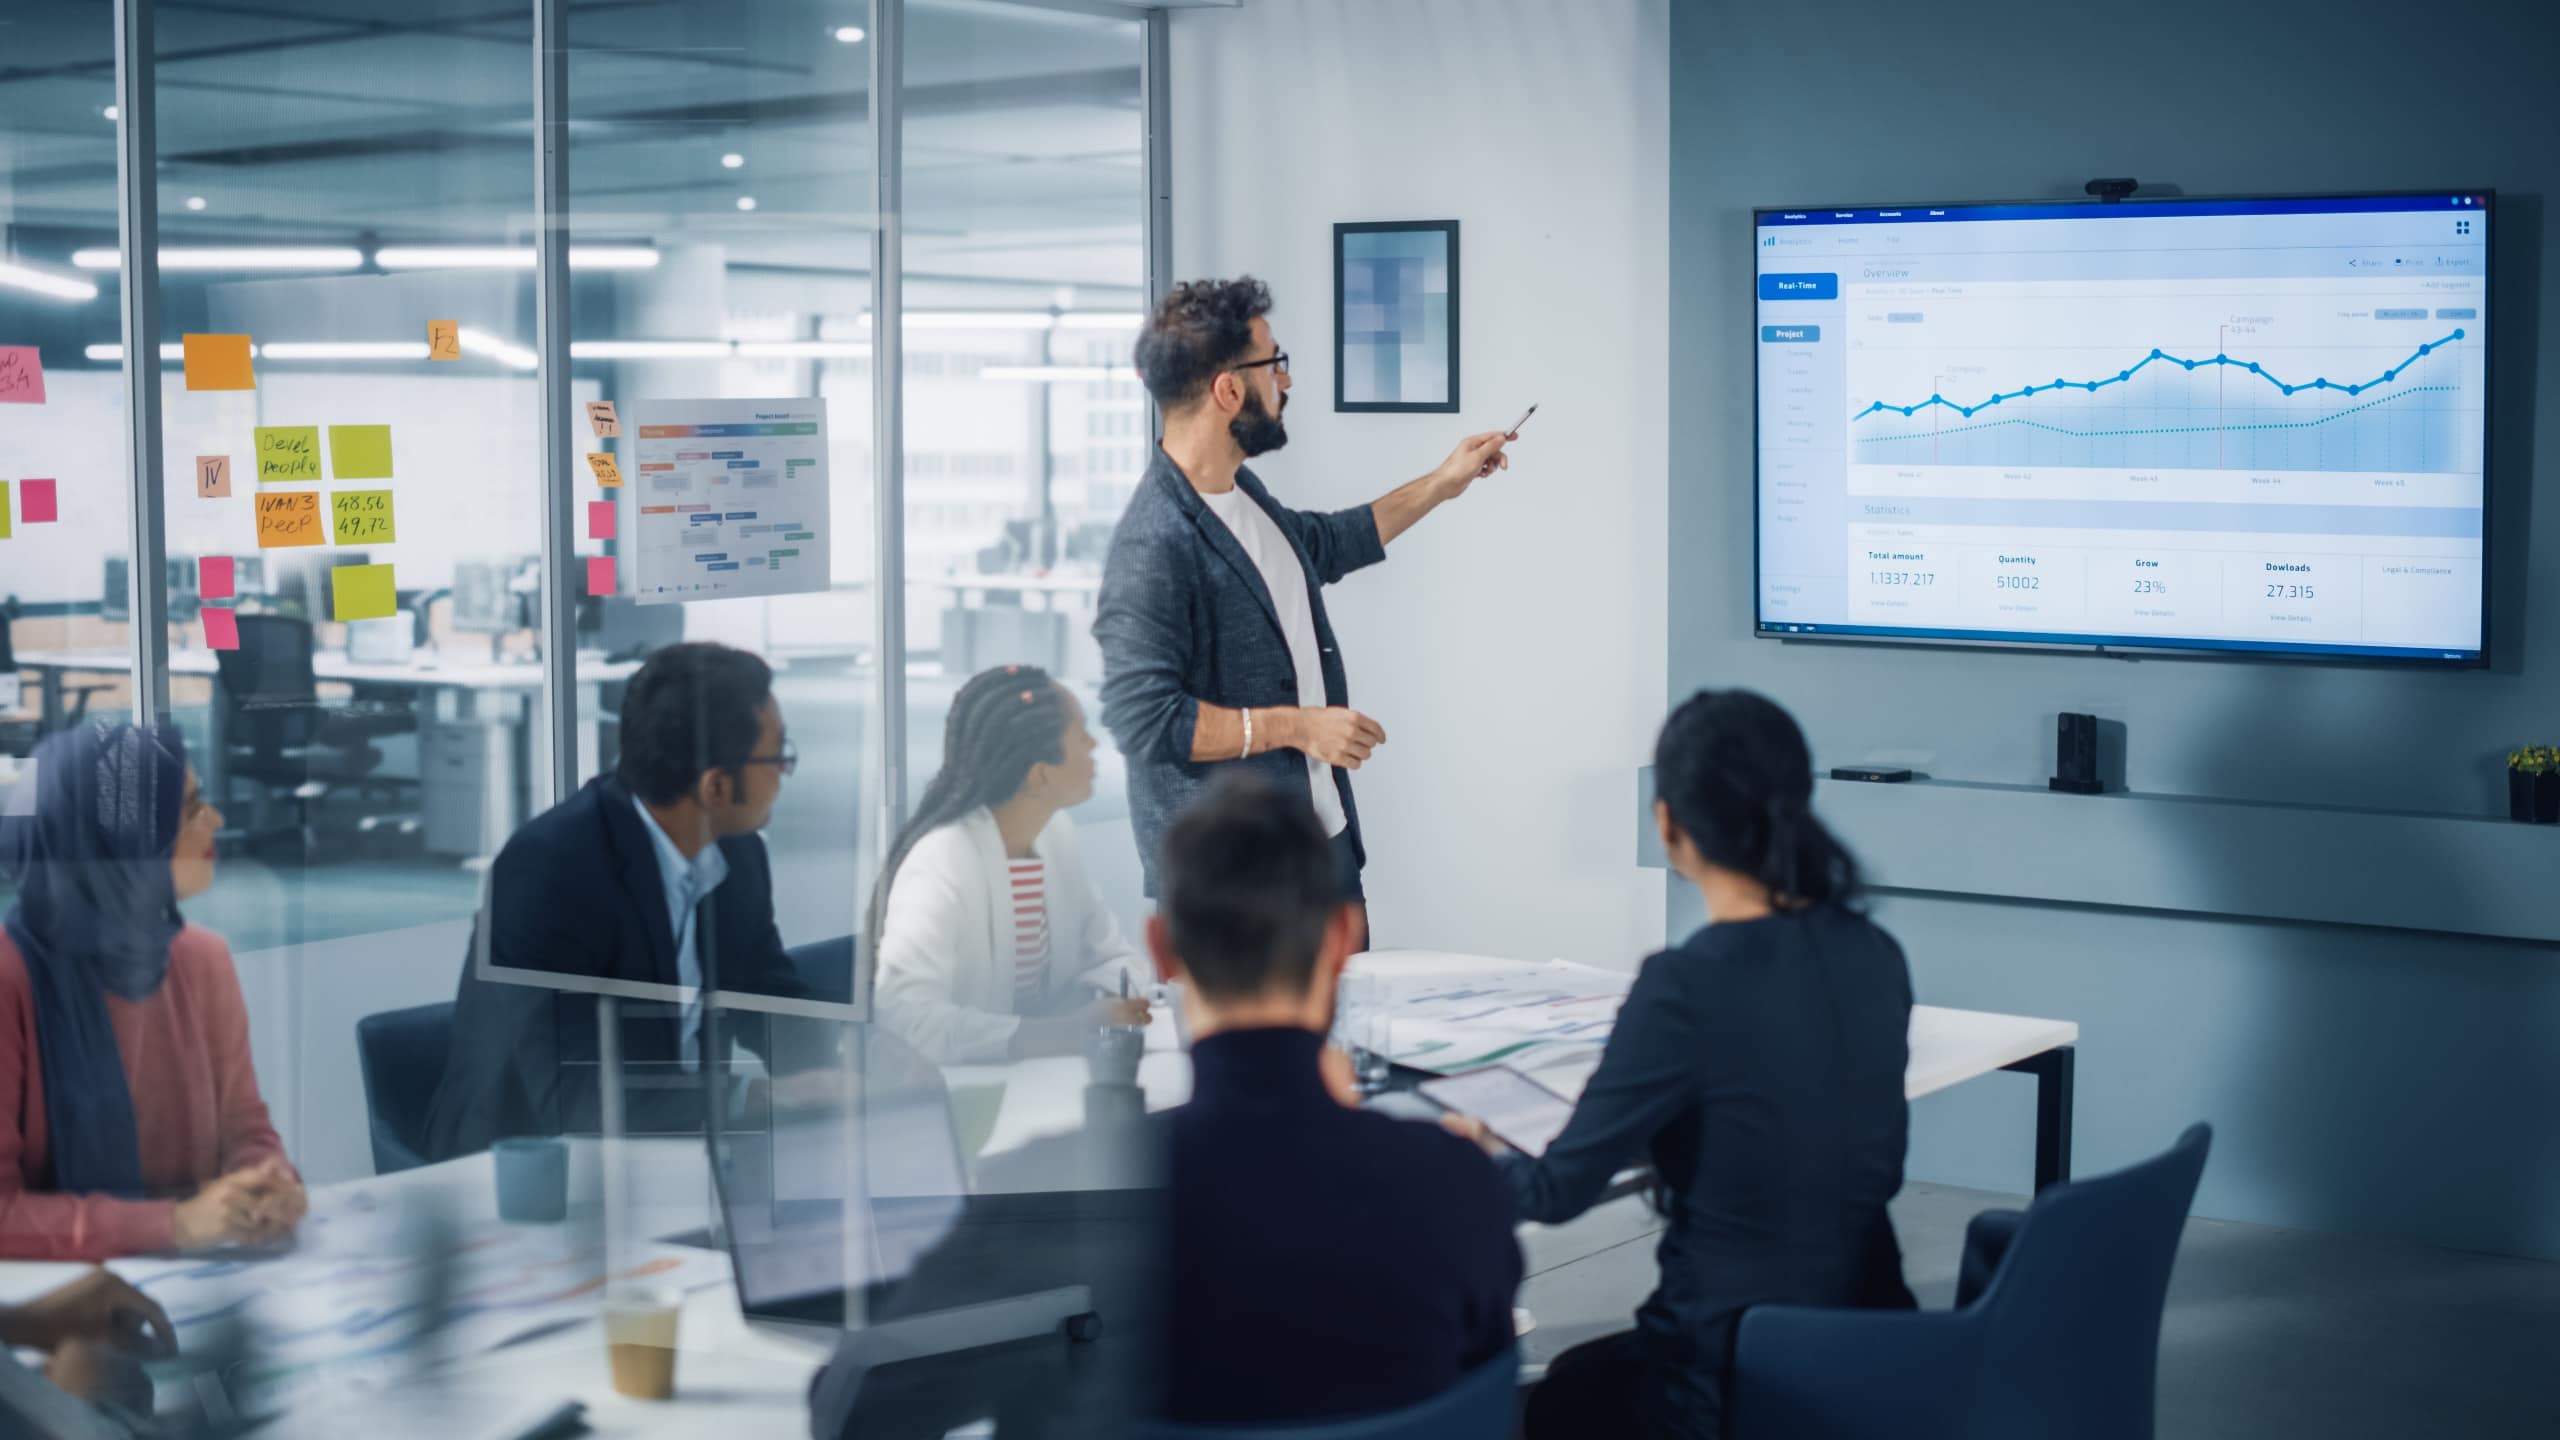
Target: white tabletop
column 424, row 671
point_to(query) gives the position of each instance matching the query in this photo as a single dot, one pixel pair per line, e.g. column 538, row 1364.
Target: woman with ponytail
column 1757, row 1067
column 990, row 941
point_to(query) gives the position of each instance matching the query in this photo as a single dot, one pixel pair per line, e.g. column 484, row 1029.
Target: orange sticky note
column 601, row 417
column 218, row 362
column 221, row 628
column 607, row 473
column 600, row 520
column 289, row 517
column 214, row 577
column 600, row 575
column 213, row 476
column 444, row 340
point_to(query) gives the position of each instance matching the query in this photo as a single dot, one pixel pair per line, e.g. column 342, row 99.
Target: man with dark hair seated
column 1325, row 1260
column 1277, row 1254
column 653, row 874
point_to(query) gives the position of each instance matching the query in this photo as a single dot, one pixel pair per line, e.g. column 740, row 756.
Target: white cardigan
column 944, row 979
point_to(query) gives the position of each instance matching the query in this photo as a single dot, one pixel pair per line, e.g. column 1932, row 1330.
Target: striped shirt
column 1030, row 930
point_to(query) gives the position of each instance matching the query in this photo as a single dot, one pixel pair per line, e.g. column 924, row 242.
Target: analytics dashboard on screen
column 2243, row 425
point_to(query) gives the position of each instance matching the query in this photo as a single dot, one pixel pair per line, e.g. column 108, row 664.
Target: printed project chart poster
column 730, row 498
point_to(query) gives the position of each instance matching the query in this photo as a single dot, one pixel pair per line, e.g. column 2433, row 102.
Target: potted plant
column 2533, row 784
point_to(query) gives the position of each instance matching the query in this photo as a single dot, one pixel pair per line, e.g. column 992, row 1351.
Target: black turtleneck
column 1326, row 1261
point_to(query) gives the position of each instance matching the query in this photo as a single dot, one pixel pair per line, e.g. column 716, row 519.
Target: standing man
column 1216, row 650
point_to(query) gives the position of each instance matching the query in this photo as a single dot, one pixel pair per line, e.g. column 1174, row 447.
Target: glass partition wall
column 862, row 320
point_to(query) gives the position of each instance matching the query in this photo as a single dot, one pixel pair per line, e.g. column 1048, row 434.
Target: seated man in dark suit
column 1302, row 1259
column 654, row 874
column 1326, row 1260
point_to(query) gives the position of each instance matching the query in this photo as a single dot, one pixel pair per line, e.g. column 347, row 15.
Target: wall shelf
column 2455, row 874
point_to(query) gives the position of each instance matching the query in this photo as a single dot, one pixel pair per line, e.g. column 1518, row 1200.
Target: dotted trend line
column 2252, row 366
column 2167, row 430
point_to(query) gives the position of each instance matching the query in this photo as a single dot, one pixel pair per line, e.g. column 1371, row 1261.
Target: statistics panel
column 2251, row 425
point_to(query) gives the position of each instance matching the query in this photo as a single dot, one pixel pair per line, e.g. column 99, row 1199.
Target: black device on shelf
column 2075, row 755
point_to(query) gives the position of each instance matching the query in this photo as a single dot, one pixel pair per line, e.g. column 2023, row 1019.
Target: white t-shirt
column 1286, row 579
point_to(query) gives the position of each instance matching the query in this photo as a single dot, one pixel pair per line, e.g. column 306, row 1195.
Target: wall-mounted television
column 2224, row 425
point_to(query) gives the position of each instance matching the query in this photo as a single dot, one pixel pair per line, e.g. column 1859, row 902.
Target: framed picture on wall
column 1395, row 317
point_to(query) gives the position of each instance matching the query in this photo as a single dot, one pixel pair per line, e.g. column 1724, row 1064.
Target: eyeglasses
column 786, row 762
column 1278, row 361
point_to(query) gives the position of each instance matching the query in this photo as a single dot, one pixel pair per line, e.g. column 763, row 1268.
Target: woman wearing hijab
column 130, row 1119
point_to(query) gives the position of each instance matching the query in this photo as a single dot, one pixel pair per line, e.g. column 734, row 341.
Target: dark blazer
column 577, row 891
column 1759, row 1066
column 1324, row 1261
column 1184, row 617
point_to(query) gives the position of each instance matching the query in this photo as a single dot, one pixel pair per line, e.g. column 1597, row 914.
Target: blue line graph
column 2168, row 429
column 2093, row 386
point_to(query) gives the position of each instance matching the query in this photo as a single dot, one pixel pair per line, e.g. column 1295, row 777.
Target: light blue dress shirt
column 686, row 882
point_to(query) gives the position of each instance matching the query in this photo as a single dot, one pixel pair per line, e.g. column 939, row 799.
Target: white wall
column 1514, row 647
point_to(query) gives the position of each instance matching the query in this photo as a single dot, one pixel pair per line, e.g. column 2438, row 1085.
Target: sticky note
column 288, row 452
column 213, row 577
column 444, row 340
column 361, row 592
column 600, row 520
column 213, row 476
column 600, row 575
column 600, row 416
column 35, row 502
column 4, row 516
column 218, row 362
column 607, row 473
column 289, row 517
column 221, row 627
column 22, row 375
column 360, row 452
column 362, row 517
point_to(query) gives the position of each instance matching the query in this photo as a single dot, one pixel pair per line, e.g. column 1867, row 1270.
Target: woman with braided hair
column 990, row 941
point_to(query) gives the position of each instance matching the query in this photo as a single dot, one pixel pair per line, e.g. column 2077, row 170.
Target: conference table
column 748, row 1380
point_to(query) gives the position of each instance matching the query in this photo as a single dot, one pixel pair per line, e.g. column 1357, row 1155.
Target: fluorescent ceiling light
column 974, row 319
column 235, row 257
column 510, row 257
column 649, row 349
column 109, row 113
column 746, row 202
column 732, row 160
column 1101, row 320
column 115, row 353
column 507, row 353
column 344, row 350
column 1053, row 374
column 845, row 35
column 803, row 349
column 195, row 202
column 45, row 283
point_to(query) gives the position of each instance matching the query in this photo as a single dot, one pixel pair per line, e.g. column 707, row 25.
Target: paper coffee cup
column 640, row 1341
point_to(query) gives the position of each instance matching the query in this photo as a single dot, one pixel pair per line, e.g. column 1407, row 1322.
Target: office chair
column 1483, row 1405
column 278, row 734
column 401, row 1054
column 2056, row 1328
column 19, row 737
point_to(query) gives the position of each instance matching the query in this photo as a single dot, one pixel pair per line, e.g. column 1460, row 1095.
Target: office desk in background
column 472, row 694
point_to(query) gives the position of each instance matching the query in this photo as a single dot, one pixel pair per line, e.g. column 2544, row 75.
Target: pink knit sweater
column 196, row 1106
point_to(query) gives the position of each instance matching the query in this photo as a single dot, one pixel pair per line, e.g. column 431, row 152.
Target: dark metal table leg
column 2053, row 1072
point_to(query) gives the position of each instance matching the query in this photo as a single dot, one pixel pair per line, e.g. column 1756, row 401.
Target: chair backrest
column 2072, row 1316
column 402, row 1055
column 270, row 695
column 1483, row 1405
column 826, row 967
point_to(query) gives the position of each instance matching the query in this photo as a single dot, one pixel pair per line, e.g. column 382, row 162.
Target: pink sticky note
column 35, row 502
column 221, row 628
column 213, row 577
column 600, row 575
column 599, row 519
column 21, row 375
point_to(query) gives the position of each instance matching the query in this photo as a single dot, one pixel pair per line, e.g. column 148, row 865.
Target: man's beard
column 1257, row 430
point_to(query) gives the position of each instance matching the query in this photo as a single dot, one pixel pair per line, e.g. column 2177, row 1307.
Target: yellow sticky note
column 360, row 452
column 362, row 517
column 289, row 517
column 362, row 592
column 288, row 452
column 607, row 472
column 4, row 509
column 444, row 340
column 218, row 362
